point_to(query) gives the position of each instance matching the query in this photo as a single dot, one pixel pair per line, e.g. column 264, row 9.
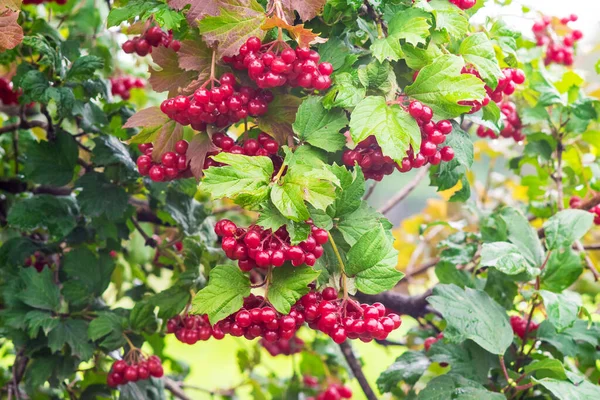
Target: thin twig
column 356, row 368
column 148, row 240
column 370, row 191
column 175, row 389
column 588, row 261
column 423, row 267
column 406, row 190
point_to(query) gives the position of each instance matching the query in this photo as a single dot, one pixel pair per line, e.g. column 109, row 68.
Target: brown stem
column 406, row 190
column 504, row 370
column 370, row 191
column 559, row 175
column 415, row 306
column 148, row 240
column 175, row 389
column 356, row 368
column 588, row 261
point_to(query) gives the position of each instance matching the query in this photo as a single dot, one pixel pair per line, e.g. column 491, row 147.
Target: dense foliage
column 224, row 192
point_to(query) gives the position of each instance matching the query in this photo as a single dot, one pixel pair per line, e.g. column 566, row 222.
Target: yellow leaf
column 39, row 133
column 303, row 36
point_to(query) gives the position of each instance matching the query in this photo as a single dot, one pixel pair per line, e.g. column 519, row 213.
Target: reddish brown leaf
column 198, row 9
column 165, row 141
column 11, row 34
column 303, row 36
column 277, row 122
column 194, row 55
column 14, row 5
column 147, row 118
column 169, row 77
column 200, row 145
column 307, row 9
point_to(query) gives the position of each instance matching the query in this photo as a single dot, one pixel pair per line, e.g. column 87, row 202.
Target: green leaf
column 55, row 213
column 393, row 127
column 288, row 285
column 34, row 85
column 108, row 327
column 372, row 261
column 387, row 48
column 277, row 122
column 14, row 251
column 548, row 367
column 243, row 176
column 271, row 218
column 467, row 359
column 83, row 266
column 74, row 333
column 109, row 150
column 234, row 24
column 472, row 314
column 84, row 67
column 566, row 227
column 409, row 367
column 450, row 18
column 346, row 91
column 478, row 51
column 378, row 77
column 320, row 127
column 37, row 320
column 562, row 270
column 411, row 25
column 131, row 10
column 417, row 57
column 52, row 163
column 224, row 293
column 40, row 290
column 63, row 98
column 507, row 258
column 354, row 225
column 455, row 387
column 442, row 86
column 142, row 315
column 562, row 308
column 565, row 390
column 98, row 197
column 186, row 211
column 522, row 235
column 350, row 192
column 171, row 301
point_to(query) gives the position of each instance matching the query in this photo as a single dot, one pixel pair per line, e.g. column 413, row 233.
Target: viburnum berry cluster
column 510, row 120
column 343, row 319
column 38, row 260
column 258, row 247
column 269, row 69
column 263, row 145
column 221, row 105
column 334, row 391
column 506, row 87
column 173, row 164
column 137, row 368
column 577, row 202
column 152, row 37
column 190, row 329
column 559, row 48
column 284, row 347
column 59, row 2
column 8, row 96
column 519, row 326
column 122, row 85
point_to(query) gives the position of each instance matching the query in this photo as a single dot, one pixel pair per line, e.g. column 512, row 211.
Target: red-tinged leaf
column 200, row 145
column 198, row 9
column 170, row 77
column 11, row 34
column 307, row 9
column 235, row 23
column 194, row 55
column 165, row 141
column 14, row 5
column 303, row 36
column 277, row 122
column 147, row 118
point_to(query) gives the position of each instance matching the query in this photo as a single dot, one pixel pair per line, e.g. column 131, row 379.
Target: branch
column 588, row 261
column 406, row 190
column 415, row 306
column 175, row 389
column 356, row 368
column 423, row 267
column 22, row 125
column 148, row 240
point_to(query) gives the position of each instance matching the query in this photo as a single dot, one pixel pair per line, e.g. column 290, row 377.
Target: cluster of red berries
column 286, row 347
column 153, row 37
column 519, row 326
column 577, row 202
column 223, row 105
column 59, row 2
column 263, row 145
column 334, row 392
column 345, row 319
column 122, row 372
column 511, row 121
column 559, row 52
column 121, row 86
column 173, row 164
column 297, row 68
column 431, row 340
column 506, row 86
column 38, row 260
column 192, row 328
column 463, row 4
column 262, row 248
column 368, row 155
column 8, row 96
column 257, row 319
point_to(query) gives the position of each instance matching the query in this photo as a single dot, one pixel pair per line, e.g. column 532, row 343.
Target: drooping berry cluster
column 173, row 165
column 153, row 37
column 190, row 329
column 577, row 202
column 283, row 346
column 431, row 340
column 463, row 4
column 8, row 96
column 296, row 68
column 38, row 260
column 221, row 105
column 511, row 121
column 59, row 2
column 263, row 145
column 559, row 51
column 139, row 369
column 519, row 326
column 345, row 319
column 262, row 248
column 121, row 85
column 258, row 319
column 333, row 391
column 369, row 156
column 506, row 86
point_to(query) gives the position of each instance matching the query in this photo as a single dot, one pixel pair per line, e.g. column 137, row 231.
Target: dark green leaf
column 52, row 163
column 74, row 333
column 186, row 211
column 288, row 285
column 320, row 127
column 40, row 290
column 567, row 226
column 562, row 308
column 409, row 367
column 55, row 213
